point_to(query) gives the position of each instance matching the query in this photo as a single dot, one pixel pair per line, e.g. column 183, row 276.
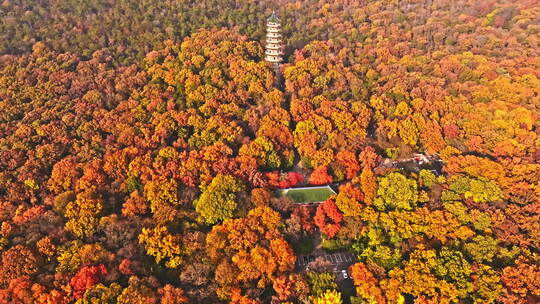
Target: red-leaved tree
column 320, row 176
column 85, row 278
column 328, row 218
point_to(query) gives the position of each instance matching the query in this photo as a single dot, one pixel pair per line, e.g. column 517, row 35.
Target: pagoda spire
column 273, row 53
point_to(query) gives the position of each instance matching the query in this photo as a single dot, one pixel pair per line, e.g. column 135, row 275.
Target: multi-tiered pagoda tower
column 273, row 41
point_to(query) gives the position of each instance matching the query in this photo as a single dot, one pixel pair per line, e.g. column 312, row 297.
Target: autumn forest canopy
column 145, row 146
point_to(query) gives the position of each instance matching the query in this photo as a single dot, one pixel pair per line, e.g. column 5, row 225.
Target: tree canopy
column 144, row 146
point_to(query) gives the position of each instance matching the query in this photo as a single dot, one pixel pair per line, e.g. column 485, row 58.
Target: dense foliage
column 141, row 143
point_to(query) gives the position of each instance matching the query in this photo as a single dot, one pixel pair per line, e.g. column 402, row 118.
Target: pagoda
column 273, row 41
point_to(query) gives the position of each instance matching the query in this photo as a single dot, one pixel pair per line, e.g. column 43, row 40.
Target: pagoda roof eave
column 273, row 18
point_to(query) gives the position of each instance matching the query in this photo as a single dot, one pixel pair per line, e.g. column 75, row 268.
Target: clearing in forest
column 308, row 194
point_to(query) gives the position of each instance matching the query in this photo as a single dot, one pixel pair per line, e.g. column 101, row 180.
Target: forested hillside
column 142, row 144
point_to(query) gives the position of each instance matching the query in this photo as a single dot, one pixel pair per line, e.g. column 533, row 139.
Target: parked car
column 344, row 273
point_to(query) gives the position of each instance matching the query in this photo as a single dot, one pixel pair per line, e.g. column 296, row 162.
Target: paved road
column 340, row 261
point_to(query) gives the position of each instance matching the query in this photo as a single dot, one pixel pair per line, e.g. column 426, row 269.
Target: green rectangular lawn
column 308, row 195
